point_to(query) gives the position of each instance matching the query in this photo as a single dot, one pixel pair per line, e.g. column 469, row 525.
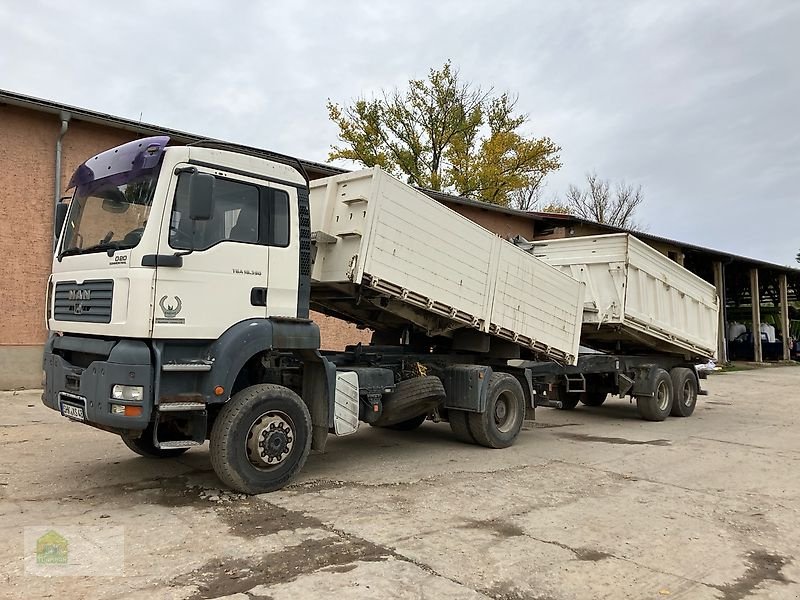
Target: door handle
column 162, row 260
column 258, row 296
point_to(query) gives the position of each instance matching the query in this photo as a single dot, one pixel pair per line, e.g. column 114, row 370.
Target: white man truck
column 179, row 301
column 179, row 305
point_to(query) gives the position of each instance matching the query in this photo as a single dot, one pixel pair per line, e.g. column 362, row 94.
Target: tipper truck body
column 637, row 299
column 647, row 322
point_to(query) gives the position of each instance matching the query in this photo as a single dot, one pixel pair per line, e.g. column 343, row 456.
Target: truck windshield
column 109, row 213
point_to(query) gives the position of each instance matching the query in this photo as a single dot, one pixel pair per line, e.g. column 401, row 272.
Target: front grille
column 88, row 302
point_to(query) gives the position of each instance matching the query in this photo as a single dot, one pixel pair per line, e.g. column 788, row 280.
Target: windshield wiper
column 103, row 246
column 111, row 246
column 69, row 252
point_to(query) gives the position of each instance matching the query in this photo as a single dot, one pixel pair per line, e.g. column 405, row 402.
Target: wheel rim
column 505, row 412
column 687, row 393
column 270, row 440
column 662, row 396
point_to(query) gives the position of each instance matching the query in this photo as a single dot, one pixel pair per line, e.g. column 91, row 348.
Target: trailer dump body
column 637, row 299
column 386, row 254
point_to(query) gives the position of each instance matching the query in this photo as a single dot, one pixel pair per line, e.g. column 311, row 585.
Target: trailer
column 180, row 297
column 646, row 321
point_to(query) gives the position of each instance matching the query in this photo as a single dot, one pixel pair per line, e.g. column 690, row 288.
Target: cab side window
column 278, row 227
column 243, row 212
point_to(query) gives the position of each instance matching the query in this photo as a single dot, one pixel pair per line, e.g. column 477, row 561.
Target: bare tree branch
column 597, row 203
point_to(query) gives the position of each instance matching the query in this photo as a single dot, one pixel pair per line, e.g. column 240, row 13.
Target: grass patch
column 752, row 366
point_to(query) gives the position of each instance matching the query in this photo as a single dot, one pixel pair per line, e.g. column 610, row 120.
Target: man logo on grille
column 75, row 297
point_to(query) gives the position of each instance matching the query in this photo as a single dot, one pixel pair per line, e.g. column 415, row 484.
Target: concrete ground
column 592, row 503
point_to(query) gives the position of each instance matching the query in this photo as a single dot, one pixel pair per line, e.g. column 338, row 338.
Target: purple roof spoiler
column 137, row 155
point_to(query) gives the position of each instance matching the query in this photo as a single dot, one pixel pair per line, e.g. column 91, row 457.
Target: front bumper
column 107, row 363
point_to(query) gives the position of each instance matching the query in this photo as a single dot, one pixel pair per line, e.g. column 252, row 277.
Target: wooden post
column 722, row 334
column 755, row 303
column 784, row 307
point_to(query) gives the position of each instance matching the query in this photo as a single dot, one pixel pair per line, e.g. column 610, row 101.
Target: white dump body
column 431, row 266
column 636, row 296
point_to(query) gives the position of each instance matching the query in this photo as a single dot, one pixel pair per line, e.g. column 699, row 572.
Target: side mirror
column 60, row 217
column 201, row 196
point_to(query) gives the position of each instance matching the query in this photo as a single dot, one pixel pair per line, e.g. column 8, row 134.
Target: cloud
column 694, row 100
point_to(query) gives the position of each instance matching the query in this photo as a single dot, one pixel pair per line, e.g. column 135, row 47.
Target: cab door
column 224, row 268
column 283, row 238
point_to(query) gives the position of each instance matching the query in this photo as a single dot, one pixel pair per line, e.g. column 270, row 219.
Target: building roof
column 565, row 220
column 717, row 254
column 323, row 170
column 91, row 116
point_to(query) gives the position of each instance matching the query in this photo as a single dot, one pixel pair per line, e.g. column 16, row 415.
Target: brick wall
column 25, row 186
column 336, row 334
column 27, row 167
column 504, row 225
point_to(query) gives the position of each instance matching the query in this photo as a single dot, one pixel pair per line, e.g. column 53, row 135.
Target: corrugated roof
column 323, row 169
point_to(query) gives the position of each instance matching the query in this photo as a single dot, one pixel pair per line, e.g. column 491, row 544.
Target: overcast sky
column 699, row 102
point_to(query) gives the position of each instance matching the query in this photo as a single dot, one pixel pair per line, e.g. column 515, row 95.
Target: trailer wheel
column 684, row 386
column 593, row 398
column 459, row 424
column 657, row 406
column 143, row 446
column 499, row 425
column 260, row 439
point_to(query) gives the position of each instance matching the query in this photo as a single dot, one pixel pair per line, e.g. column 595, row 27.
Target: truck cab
column 174, row 266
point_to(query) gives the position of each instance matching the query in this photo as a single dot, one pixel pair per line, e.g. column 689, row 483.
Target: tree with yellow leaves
column 444, row 134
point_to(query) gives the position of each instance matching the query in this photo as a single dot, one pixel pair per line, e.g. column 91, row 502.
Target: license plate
column 73, row 411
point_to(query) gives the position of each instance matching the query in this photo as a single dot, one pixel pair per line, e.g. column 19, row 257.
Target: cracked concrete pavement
column 591, row 503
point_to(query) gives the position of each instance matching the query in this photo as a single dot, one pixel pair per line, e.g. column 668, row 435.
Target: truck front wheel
column 261, row 438
column 499, row 425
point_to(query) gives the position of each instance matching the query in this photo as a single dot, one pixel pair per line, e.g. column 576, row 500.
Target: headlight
column 49, row 309
column 134, row 393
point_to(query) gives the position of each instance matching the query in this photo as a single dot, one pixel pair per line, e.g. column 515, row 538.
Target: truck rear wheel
column 684, row 387
column 260, row 439
column 657, row 406
column 500, row 423
column 143, row 446
column 593, row 398
column 569, row 401
column 459, row 424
